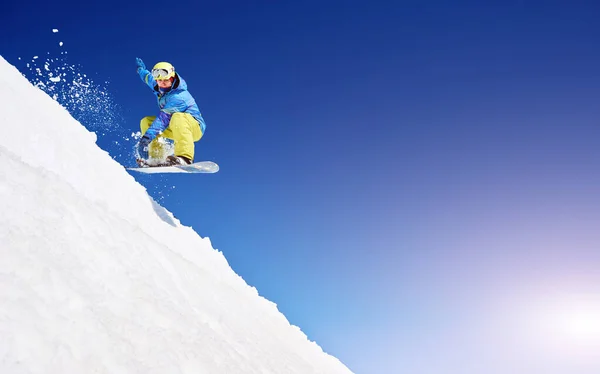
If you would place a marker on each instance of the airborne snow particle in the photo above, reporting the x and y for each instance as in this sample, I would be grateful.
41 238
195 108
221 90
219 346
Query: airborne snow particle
55 30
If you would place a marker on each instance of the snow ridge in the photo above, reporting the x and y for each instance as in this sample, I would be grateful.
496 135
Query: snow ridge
97 277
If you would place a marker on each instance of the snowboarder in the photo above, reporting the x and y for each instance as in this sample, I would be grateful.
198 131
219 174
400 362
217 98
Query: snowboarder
179 118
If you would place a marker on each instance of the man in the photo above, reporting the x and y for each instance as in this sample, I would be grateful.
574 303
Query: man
179 118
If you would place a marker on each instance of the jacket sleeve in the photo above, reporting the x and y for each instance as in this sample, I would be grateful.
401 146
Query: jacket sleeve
147 78
158 125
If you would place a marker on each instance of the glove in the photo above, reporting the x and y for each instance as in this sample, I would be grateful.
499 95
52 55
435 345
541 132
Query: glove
142 147
140 64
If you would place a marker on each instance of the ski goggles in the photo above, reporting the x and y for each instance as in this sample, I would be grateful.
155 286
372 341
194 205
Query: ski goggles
161 74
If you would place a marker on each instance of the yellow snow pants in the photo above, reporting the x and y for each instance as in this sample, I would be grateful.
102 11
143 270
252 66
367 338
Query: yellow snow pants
183 129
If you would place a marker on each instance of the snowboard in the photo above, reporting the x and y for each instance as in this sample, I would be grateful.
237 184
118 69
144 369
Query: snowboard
196 167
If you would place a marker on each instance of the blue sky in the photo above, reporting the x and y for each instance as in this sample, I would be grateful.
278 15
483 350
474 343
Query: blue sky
382 163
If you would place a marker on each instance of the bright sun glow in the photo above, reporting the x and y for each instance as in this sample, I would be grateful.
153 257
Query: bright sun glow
571 322
582 322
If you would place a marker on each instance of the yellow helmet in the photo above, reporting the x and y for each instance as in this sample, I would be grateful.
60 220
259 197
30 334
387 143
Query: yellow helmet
163 70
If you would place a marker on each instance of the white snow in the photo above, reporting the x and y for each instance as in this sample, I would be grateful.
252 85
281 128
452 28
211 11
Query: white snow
97 277
60 44
55 30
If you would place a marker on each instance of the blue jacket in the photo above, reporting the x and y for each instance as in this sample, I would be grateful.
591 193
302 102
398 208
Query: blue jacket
176 100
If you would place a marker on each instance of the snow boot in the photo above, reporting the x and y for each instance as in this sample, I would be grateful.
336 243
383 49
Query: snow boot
177 160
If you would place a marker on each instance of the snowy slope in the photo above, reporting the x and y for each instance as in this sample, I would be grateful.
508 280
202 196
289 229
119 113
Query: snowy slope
97 277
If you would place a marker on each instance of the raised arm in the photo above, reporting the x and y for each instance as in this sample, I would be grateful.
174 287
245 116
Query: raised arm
144 74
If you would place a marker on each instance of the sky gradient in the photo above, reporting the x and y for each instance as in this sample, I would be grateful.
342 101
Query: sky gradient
389 171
